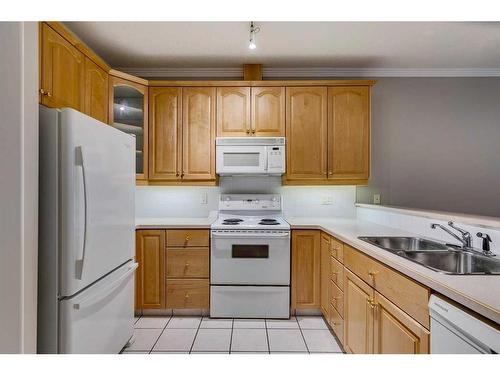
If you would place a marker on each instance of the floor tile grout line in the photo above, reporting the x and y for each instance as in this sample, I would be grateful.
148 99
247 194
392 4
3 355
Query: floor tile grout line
303 338
195 336
231 339
267 337
163 330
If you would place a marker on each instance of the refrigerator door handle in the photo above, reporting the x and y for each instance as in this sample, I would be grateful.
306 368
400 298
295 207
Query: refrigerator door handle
79 262
105 291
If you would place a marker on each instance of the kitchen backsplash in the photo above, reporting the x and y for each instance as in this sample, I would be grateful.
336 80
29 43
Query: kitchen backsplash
298 201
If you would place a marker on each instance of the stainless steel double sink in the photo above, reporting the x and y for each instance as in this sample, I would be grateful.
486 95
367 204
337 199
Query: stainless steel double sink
438 256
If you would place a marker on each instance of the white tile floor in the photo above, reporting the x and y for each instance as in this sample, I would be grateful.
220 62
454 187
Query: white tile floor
196 335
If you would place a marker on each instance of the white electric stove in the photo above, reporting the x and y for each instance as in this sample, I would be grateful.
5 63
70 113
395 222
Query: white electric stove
250 258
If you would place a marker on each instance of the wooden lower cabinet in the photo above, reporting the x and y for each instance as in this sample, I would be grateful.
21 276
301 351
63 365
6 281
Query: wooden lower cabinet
188 294
191 262
337 323
325 274
305 269
358 315
395 332
150 275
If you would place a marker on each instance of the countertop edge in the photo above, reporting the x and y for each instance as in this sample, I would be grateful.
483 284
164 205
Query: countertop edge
374 252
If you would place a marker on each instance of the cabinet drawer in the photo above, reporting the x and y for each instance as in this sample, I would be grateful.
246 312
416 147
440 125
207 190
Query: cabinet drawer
337 249
187 262
187 294
337 298
187 237
337 272
406 293
337 323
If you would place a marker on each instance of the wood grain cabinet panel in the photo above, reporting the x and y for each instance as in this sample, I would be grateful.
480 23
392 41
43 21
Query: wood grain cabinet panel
305 269
337 298
150 275
188 262
187 294
349 133
337 272
96 91
198 133
395 332
233 111
188 237
325 274
268 111
165 133
406 293
62 82
358 315
306 129
337 324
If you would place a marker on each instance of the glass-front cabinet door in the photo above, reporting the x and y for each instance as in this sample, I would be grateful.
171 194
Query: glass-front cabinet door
128 113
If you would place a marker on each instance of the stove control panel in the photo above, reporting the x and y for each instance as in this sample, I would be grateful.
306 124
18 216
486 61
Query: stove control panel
238 202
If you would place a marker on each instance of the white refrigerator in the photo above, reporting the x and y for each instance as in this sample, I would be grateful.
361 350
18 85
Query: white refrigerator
86 234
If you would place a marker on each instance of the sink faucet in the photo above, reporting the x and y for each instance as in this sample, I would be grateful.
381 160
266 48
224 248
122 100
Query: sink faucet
465 239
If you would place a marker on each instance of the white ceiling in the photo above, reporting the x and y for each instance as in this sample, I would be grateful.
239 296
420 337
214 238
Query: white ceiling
347 45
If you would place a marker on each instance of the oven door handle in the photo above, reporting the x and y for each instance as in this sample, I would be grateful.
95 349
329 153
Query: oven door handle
250 235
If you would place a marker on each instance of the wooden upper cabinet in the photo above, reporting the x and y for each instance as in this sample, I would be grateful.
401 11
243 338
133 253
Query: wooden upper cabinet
165 133
62 82
150 276
305 269
198 133
395 332
96 91
306 130
349 133
233 111
268 111
325 274
128 112
358 314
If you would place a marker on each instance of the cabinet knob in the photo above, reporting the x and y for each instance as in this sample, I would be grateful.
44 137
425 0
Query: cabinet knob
330 173
186 265
43 92
248 131
253 131
177 174
186 296
188 238
372 274
372 303
182 174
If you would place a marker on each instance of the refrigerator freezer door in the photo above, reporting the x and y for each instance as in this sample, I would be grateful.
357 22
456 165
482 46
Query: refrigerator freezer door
97 187
100 318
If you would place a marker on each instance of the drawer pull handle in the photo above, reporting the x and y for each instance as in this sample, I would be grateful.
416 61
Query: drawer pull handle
186 296
186 265
372 303
188 238
372 274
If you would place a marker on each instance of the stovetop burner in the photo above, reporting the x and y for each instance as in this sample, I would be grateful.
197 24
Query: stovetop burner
232 221
268 220
268 223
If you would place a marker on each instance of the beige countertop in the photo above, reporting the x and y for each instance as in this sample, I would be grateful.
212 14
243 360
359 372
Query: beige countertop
173 222
479 293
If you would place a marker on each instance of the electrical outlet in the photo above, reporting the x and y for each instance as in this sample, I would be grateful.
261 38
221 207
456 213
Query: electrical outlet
327 199
204 198
376 198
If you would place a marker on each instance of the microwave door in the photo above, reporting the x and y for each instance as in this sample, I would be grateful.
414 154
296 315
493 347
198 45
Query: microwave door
241 160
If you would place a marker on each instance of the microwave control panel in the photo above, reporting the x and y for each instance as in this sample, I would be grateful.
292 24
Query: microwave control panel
276 159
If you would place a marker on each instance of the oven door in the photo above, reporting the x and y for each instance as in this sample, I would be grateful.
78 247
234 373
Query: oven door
250 259
241 160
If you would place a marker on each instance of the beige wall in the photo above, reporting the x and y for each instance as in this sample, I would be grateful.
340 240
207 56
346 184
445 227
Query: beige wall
18 186
436 144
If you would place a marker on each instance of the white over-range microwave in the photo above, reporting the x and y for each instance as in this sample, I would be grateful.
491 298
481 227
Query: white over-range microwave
250 156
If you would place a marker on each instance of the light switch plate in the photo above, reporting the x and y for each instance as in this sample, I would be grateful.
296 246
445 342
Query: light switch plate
327 199
376 198
204 198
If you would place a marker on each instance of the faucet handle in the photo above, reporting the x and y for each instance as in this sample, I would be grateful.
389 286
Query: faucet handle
486 242
462 231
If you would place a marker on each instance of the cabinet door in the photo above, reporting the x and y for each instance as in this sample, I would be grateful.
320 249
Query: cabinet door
198 133
62 72
96 91
150 276
165 133
349 133
128 112
305 269
268 111
358 314
395 332
233 111
325 274
306 131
